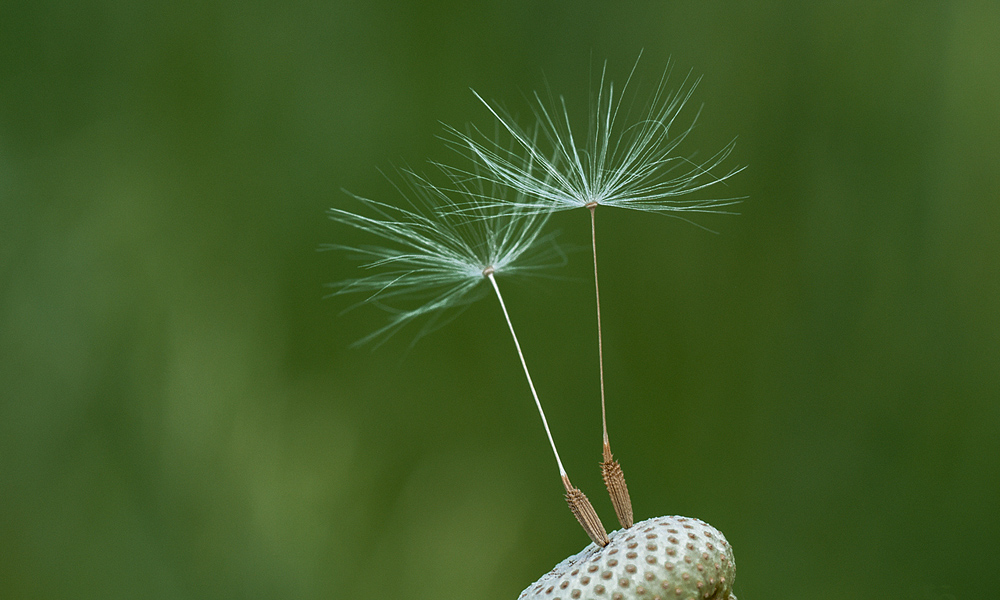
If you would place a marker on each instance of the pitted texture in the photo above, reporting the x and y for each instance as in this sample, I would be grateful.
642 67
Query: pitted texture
665 558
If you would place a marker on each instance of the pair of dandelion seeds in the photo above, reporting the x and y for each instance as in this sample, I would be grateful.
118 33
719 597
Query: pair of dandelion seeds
450 242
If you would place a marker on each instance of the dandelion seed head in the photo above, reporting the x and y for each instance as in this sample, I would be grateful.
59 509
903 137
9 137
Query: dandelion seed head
437 246
627 158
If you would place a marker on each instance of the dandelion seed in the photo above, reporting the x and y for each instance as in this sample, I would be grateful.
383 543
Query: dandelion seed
619 163
436 259
444 250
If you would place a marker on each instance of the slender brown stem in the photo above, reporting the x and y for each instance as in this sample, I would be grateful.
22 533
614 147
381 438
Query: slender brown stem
600 337
614 478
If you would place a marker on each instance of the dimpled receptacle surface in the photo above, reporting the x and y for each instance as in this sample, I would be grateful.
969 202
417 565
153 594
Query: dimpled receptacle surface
665 558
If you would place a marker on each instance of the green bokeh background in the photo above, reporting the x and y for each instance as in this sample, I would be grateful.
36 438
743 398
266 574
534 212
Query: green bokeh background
182 416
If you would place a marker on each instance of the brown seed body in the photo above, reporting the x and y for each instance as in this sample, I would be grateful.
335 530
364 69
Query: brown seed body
614 480
585 513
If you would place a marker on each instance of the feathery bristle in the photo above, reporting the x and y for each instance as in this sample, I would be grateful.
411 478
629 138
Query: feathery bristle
625 160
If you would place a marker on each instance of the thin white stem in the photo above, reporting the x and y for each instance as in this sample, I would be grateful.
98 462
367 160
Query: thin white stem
600 341
545 423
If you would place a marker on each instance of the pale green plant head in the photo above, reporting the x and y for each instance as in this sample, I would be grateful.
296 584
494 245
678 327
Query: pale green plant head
627 158
439 244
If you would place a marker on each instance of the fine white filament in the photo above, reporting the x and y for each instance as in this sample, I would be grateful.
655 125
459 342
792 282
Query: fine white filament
531 384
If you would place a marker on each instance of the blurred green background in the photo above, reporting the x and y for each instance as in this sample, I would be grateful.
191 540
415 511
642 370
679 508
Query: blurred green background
182 416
